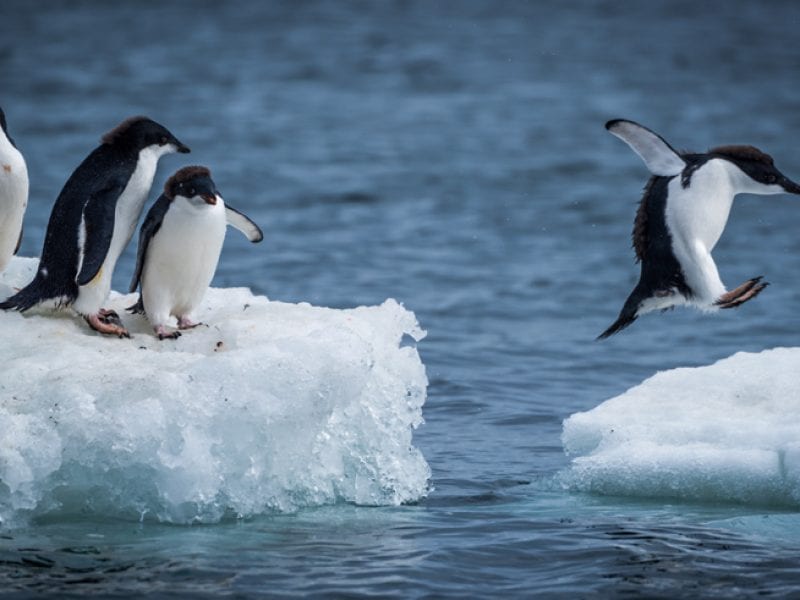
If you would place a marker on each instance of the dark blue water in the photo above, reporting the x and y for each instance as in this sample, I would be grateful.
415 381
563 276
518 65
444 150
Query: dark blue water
451 155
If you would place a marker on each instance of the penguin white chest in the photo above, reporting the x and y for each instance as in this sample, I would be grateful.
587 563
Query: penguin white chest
13 198
699 213
182 258
131 202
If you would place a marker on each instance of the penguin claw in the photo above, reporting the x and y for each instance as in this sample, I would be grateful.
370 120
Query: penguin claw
163 334
184 323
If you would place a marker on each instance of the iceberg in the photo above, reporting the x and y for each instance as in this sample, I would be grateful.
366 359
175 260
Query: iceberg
724 433
269 407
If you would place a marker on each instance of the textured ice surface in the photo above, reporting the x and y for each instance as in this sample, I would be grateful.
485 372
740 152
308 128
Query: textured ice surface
273 406
729 432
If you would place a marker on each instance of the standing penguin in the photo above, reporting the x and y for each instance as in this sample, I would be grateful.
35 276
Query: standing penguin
179 246
93 220
681 217
13 194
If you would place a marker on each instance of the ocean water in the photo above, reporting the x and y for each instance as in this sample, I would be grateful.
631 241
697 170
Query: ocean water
452 156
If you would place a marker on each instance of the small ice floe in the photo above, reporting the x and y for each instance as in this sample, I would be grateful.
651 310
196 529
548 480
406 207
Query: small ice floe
728 432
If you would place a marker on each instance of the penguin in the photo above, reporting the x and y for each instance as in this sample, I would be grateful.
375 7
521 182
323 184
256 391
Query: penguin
13 194
92 221
682 215
179 247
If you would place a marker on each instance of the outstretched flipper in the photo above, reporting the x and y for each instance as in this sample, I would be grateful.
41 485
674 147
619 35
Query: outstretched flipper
747 291
659 157
243 223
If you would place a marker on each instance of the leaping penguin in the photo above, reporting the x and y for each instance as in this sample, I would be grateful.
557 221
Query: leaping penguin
681 217
13 194
93 220
179 246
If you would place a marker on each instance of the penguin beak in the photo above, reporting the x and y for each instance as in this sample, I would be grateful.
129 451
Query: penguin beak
182 148
210 198
789 185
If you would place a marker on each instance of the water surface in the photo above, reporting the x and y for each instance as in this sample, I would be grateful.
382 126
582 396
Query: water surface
451 156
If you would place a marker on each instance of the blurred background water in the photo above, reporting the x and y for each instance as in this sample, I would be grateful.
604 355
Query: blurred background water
450 155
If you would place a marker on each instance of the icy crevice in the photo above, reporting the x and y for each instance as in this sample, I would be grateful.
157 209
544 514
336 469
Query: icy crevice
272 407
727 432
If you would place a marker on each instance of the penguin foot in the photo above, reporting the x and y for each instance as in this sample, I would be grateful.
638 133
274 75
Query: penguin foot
747 291
107 324
110 317
186 323
163 334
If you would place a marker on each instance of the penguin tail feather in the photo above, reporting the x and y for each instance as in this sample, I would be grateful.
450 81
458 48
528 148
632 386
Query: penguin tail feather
627 315
35 292
621 323
138 308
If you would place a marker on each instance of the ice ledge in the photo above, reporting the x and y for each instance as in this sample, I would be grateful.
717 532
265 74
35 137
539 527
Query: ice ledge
272 406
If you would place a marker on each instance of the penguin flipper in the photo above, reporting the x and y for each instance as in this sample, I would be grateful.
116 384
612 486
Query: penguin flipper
152 223
98 228
659 157
19 240
244 224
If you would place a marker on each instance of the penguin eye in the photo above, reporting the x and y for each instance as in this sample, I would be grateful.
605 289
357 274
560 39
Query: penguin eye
163 140
771 178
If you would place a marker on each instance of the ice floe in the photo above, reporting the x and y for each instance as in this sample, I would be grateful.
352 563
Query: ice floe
728 432
270 407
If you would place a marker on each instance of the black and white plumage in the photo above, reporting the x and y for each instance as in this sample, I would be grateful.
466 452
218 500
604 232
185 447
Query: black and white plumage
681 217
93 220
13 194
179 246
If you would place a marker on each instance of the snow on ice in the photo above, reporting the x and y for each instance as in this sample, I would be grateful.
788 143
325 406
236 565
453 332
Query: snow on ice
728 432
271 407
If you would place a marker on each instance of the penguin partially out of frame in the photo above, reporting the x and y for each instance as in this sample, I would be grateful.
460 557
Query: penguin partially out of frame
13 194
93 220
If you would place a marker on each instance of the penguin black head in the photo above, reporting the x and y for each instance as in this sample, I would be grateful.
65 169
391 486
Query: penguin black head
192 182
759 168
137 133
5 127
